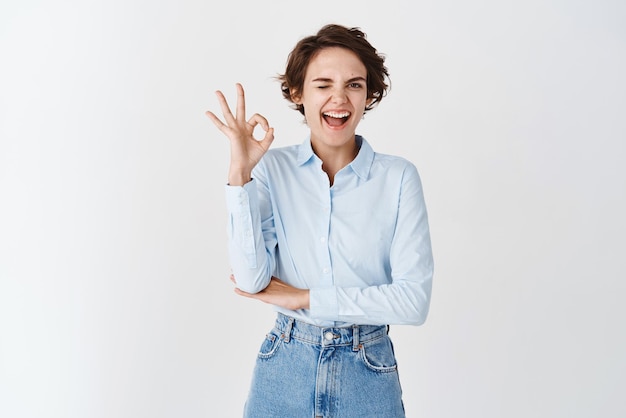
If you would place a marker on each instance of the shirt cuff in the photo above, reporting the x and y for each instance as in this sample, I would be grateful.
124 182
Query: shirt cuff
323 303
242 203
241 198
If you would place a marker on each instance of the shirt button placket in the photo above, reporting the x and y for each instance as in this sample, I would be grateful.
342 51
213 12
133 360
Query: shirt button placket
324 240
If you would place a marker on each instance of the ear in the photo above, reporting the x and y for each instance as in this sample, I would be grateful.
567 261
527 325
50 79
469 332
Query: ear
296 97
369 101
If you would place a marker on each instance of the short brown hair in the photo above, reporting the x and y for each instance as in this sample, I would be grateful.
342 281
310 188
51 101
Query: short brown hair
352 39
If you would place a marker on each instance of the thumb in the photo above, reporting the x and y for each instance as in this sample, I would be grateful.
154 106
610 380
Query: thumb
268 138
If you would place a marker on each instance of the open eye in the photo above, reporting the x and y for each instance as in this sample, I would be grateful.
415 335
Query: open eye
355 85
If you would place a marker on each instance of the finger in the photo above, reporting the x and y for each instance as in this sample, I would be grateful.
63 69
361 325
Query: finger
232 278
228 115
244 294
257 119
241 103
267 139
257 296
216 121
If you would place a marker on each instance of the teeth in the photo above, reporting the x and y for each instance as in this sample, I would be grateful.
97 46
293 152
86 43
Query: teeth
337 114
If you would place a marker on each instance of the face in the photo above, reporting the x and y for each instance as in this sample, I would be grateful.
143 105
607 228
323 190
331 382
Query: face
334 96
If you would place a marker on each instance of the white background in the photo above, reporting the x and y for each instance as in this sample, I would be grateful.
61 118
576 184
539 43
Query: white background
114 291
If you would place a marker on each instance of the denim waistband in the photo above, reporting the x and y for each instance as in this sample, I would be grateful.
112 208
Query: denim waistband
353 335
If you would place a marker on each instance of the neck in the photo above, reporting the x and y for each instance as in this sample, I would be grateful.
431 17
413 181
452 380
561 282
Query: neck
335 158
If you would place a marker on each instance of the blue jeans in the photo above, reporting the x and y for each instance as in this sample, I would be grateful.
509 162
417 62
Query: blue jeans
306 371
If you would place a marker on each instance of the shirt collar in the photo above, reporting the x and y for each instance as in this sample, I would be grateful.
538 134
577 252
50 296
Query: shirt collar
361 165
305 151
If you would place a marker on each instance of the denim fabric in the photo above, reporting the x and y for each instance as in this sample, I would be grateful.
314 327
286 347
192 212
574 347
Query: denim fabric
306 371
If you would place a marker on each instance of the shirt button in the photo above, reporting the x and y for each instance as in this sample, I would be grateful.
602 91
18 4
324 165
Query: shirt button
329 336
326 271
322 240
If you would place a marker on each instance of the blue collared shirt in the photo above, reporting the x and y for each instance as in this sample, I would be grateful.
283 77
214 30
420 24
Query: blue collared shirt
362 246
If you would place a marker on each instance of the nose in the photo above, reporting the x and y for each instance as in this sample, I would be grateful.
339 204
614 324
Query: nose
339 95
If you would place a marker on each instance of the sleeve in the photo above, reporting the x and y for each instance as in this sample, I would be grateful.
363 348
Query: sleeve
251 234
406 300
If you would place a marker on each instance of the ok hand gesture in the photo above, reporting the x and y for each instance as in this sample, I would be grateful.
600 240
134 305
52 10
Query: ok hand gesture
245 150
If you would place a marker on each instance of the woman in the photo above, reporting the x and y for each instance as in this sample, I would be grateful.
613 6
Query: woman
332 234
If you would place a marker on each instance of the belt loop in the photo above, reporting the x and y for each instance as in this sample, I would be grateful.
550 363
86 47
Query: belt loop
355 338
288 329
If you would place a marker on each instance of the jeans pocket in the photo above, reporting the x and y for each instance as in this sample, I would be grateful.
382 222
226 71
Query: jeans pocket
378 355
270 345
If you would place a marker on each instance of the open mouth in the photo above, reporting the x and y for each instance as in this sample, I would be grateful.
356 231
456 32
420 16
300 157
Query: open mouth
336 118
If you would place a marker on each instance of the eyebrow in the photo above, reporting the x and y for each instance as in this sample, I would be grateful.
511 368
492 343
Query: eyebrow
328 80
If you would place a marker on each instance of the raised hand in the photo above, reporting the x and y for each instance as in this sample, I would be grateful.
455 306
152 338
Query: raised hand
245 150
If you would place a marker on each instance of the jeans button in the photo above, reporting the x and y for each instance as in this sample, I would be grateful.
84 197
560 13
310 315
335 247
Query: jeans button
329 336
